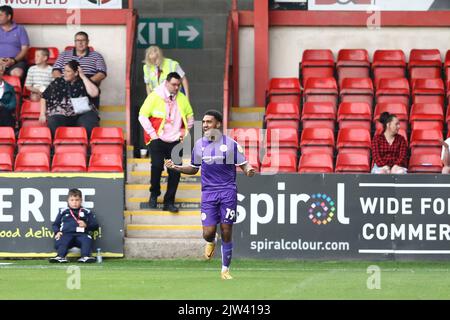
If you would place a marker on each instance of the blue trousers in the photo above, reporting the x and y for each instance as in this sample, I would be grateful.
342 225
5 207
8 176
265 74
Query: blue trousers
69 240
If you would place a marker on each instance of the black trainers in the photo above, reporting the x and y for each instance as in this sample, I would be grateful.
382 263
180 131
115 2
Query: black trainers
58 260
170 207
152 202
86 260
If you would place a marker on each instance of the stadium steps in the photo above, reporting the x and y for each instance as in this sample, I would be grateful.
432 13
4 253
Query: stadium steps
144 248
247 114
112 116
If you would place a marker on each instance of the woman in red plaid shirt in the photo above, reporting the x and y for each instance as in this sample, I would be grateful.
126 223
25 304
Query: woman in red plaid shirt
389 149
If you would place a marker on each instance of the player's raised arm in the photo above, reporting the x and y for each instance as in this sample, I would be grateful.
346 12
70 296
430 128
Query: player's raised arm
183 169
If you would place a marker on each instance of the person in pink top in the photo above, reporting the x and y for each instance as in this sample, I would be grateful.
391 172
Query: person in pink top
166 117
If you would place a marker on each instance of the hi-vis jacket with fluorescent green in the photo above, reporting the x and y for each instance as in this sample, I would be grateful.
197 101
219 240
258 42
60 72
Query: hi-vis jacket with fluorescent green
151 72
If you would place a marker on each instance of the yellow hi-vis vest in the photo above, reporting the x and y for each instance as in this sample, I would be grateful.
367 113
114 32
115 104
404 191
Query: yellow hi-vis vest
151 72
154 108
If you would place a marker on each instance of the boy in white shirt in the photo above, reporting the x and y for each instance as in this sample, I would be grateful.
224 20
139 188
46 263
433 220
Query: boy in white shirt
40 75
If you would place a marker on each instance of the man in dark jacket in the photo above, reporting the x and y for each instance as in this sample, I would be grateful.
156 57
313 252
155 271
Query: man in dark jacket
7 102
71 229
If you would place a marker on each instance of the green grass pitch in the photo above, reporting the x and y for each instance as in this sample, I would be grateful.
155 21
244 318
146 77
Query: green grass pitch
196 279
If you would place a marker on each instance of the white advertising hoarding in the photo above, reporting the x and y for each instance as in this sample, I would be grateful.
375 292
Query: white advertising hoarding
378 5
63 4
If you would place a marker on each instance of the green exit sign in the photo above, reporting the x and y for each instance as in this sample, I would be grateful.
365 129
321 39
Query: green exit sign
170 33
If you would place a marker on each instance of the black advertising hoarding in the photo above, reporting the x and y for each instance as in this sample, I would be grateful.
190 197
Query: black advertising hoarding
332 216
29 203
378 5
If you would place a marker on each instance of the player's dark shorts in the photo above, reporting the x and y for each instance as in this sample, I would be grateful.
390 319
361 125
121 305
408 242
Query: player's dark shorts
218 207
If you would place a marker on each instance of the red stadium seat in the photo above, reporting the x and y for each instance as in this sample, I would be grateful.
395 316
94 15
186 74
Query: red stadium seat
9 150
6 163
317 140
69 162
426 116
352 63
316 63
319 115
354 140
7 136
393 91
424 64
105 162
32 161
106 140
352 163
279 162
53 55
321 90
425 163
280 124
34 139
354 115
14 82
388 64
316 163
30 110
284 86
246 137
70 139
253 158
428 91
357 90
282 138
426 141
399 109
32 123
278 111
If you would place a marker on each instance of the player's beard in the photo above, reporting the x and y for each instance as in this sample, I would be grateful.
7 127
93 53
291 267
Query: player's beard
213 134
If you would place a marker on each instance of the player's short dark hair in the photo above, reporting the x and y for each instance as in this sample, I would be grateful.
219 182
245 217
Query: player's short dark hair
8 10
216 114
173 75
75 193
82 33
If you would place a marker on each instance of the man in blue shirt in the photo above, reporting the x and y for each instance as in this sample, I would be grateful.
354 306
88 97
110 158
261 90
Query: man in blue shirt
218 155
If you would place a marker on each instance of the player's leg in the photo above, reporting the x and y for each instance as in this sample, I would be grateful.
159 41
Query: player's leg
210 218
228 206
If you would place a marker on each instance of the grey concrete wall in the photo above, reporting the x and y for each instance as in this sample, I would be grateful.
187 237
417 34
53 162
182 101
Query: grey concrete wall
204 67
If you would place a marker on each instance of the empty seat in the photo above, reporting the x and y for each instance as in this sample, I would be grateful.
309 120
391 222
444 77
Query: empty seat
317 140
30 110
447 65
426 141
32 161
277 111
316 163
246 137
428 91
426 115
352 163
280 124
253 158
279 162
425 163
319 115
357 90
393 91
282 138
6 162
70 139
424 63
34 139
388 64
354 140
105 162
7 136
352 63
316 63
284 90
53 55
106 140
69 162
354 115
8 150
321 90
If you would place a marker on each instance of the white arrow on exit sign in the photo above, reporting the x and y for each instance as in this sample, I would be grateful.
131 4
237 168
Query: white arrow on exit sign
192 33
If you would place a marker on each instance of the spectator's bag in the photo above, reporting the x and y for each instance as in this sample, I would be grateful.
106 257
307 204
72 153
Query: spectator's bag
81 105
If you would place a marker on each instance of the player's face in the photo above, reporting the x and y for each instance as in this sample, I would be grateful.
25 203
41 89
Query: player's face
210 125
74 202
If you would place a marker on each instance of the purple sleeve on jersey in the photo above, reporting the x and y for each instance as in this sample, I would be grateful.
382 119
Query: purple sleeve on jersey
239 154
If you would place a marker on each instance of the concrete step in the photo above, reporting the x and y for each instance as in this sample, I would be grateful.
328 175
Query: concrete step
143 177
112 113
247 114
145 187
143 164
142 203
164 231
164 248
133 196
159 217
245 124
113 123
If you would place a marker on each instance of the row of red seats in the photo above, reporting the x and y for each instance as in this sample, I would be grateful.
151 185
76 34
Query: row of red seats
355 63
68 140
424 144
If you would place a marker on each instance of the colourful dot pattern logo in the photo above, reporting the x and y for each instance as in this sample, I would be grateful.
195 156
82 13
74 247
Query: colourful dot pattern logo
322 209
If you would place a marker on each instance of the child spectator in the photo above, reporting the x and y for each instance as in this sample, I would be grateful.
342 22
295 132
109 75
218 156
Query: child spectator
40 75
71 227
